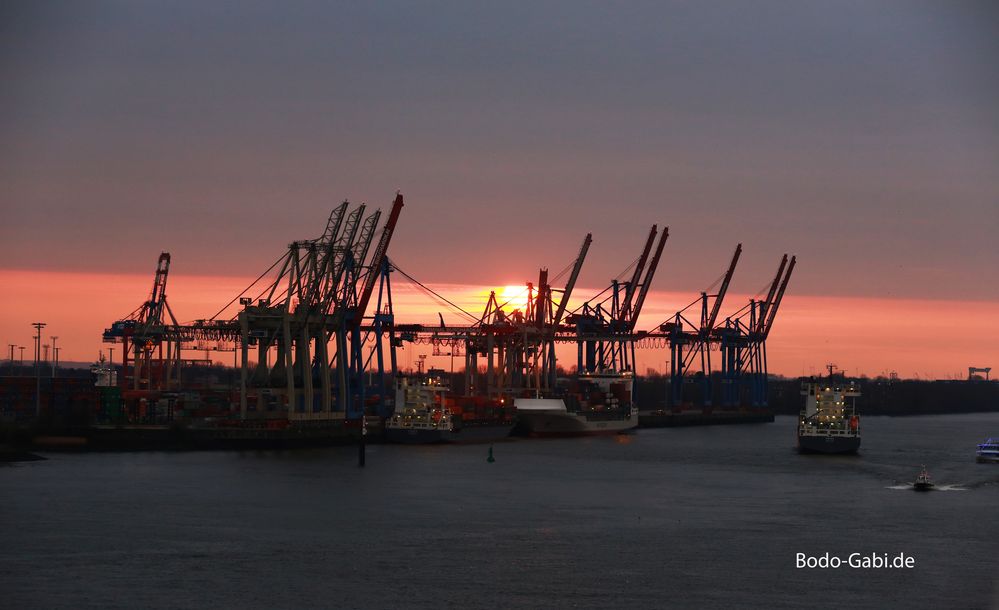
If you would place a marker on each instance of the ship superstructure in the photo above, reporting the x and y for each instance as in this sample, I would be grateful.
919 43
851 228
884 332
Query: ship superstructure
426 412
420 414
829 422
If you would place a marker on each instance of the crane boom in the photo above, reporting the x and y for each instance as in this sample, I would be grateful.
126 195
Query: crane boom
152 310
723 289
649 274
363 243
359 252
772 313
326 255
564 301
765 306
341 250
378 258
629 292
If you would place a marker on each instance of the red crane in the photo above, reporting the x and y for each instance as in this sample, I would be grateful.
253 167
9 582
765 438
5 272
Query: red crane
378 259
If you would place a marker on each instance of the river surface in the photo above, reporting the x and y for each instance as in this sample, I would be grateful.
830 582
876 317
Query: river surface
708 517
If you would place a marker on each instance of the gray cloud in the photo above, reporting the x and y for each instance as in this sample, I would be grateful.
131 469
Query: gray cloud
862 136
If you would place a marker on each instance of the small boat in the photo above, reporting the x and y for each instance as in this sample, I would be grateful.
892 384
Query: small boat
988 451
923 482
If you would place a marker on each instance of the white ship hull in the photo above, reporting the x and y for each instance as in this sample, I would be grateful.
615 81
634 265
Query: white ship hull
550 418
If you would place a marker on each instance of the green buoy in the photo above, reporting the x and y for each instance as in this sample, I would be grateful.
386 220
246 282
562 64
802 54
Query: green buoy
490 459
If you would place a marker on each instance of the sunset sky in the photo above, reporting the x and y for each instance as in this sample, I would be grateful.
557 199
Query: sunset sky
861 136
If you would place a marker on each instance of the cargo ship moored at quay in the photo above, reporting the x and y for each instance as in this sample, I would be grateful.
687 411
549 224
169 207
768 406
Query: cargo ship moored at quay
590 404
427 412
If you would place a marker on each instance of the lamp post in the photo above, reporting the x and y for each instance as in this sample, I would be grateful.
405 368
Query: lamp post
55 355
11 346
21 347
38 375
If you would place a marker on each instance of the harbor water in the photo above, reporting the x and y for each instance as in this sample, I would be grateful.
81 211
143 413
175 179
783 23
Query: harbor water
704 516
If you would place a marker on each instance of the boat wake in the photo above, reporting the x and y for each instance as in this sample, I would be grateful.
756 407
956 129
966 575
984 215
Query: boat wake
969 485
983 483
909 486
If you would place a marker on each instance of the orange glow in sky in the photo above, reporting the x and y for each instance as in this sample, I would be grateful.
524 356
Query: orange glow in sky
514 297
924 338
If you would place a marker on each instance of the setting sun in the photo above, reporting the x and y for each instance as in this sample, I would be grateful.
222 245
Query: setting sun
513 297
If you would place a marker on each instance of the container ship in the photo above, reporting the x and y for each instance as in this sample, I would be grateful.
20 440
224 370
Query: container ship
596 403
829 421
427 412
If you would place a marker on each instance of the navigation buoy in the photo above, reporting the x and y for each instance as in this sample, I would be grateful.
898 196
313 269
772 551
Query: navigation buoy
490 459
360 445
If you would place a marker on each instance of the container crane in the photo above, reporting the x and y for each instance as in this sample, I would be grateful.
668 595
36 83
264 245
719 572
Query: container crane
743 344
605 328
690 343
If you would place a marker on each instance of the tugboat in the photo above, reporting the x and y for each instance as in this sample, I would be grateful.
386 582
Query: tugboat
988 451
828 424
591 404
923 482
425 412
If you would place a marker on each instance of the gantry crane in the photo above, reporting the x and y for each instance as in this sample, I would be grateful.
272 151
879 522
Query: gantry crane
327 284
150 351
690 343
605 324
519 347
318 299
741 342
